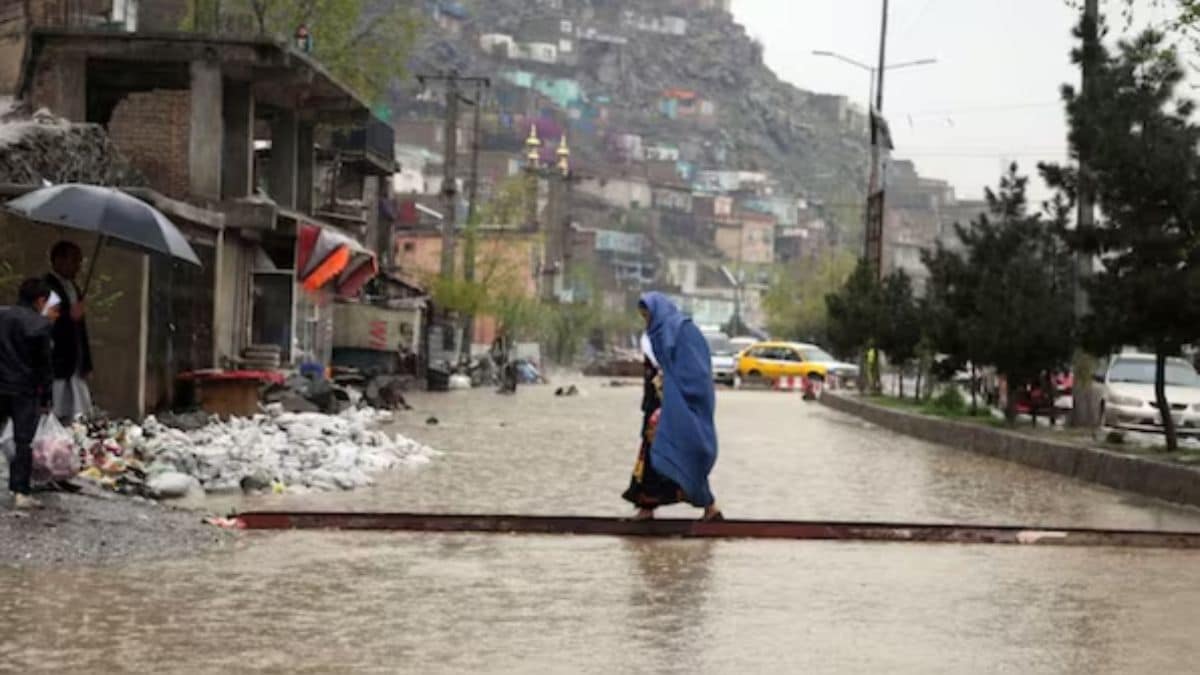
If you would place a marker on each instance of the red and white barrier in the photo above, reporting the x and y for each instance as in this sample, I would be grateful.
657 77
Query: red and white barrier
790 383
811 387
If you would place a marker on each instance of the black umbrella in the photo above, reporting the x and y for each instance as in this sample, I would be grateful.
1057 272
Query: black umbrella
111 214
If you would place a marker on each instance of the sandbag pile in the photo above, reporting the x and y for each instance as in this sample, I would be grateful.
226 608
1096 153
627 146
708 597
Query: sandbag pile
277 450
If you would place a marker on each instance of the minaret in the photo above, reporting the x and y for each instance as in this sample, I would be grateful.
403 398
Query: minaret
533 146
564 156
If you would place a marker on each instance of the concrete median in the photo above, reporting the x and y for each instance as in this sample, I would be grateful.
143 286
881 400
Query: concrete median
1140 475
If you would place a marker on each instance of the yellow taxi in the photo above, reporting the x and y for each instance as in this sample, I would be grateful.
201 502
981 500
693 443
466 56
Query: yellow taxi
773 360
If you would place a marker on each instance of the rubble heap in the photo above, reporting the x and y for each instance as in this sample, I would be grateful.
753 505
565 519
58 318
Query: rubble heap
39 146
277 450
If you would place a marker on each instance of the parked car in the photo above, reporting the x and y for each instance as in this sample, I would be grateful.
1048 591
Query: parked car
724 356
741 344
773 360
1127 398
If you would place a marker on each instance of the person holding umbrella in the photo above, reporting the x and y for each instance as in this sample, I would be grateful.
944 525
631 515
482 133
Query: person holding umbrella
72 350
25 378
111 216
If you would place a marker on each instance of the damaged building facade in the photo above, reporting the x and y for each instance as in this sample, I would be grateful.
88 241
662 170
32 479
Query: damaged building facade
267 164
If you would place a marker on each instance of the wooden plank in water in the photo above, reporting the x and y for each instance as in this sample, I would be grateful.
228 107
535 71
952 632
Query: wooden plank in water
726 529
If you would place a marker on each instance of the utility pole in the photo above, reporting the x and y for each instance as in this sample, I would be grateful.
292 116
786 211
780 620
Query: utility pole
875 198
450 179
472 205
449 164
1085 409
1087 197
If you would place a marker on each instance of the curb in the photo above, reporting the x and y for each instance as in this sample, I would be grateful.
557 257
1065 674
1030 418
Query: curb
1139 475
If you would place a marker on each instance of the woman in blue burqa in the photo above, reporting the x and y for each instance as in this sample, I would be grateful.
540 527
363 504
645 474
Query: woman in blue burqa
679 441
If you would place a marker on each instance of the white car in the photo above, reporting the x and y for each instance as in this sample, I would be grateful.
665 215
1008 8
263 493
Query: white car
741 344
1127 394
724 357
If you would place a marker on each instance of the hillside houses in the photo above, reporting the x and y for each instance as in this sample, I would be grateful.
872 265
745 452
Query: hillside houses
650 193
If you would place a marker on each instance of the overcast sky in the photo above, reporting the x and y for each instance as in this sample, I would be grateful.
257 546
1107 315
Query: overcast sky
991 98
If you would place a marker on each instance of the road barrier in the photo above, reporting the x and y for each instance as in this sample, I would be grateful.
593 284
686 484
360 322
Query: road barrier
723 529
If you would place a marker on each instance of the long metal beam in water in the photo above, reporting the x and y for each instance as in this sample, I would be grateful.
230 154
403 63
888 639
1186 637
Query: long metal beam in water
726 529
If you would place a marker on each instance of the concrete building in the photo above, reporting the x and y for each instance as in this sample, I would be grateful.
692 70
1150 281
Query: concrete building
747 238
189 110
506 259
626 192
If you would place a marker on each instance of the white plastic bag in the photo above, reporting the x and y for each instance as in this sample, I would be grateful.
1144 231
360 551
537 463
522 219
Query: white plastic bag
54 453
8 445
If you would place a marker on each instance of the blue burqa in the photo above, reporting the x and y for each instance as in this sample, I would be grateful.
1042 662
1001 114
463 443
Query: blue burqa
685 444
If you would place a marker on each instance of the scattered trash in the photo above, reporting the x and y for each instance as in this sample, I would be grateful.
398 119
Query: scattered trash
386 392
172 485
567 391
54 453
432 421
311 393
527 373
458 382
226 523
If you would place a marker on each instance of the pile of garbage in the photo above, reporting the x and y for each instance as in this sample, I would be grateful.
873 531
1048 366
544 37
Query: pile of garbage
278 450
350 388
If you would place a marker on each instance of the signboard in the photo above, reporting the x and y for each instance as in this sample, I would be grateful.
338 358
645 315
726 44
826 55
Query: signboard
875 233
375 328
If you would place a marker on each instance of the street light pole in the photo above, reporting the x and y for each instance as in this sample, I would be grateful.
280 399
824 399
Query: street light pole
873 237
873 228
882 57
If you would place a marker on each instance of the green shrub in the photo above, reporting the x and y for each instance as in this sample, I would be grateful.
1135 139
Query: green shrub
949 401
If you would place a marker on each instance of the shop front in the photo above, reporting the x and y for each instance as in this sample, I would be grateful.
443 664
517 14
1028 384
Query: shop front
296 281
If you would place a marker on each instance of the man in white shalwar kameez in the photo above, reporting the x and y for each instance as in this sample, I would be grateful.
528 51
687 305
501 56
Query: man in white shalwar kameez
72 358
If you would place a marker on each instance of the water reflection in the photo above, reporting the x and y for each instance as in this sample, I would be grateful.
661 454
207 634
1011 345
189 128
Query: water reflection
441 603
669 592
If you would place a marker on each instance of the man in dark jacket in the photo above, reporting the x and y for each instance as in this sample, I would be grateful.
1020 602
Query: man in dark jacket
25 378
72 351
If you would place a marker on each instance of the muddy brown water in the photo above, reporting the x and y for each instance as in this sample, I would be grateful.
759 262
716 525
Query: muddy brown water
402 602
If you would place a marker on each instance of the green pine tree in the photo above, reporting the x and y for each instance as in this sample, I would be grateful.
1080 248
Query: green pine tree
1144 167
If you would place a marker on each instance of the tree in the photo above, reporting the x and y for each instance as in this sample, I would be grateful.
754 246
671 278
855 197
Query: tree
1006 300
1023 300
899 322
1142 155
364 43
854 316
795 301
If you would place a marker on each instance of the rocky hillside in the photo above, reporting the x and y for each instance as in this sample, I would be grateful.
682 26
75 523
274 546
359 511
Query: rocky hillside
811 143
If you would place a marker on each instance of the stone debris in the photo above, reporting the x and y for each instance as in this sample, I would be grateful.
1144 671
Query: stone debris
276 451
38 146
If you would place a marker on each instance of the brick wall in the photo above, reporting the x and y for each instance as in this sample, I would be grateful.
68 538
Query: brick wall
151 129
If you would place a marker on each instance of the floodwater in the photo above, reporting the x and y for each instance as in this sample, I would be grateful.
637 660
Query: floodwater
403 602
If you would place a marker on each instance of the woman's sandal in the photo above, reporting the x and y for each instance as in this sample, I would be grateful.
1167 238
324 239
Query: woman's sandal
713 518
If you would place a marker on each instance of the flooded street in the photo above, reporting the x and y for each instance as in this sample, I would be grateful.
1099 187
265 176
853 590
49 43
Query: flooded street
319 602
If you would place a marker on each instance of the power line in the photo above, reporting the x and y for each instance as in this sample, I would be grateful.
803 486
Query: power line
979 108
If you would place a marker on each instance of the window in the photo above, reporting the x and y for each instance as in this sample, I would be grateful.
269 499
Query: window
718 344
815 354
1141 371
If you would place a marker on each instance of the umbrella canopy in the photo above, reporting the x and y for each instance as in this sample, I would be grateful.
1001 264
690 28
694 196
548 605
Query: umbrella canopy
109 213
